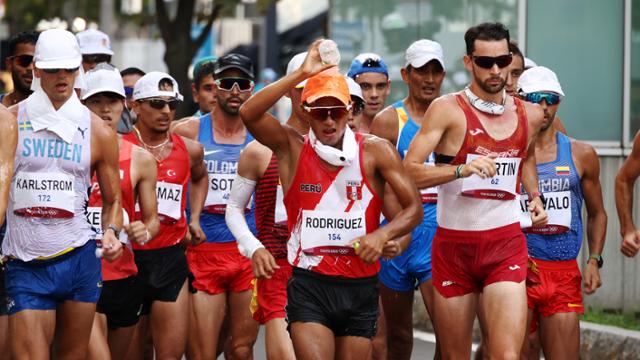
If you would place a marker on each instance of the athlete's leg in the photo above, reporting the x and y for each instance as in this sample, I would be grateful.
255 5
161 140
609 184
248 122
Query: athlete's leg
504 306
312 341
526 344
398 311
138 343
277 340
352 348
244 329
427 291
379 343
98 342
4 334
207 314
169 326
73 328
119 341
32 333
560 335
454 321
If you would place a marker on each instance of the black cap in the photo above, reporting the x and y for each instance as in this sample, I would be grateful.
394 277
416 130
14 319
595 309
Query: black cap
234 61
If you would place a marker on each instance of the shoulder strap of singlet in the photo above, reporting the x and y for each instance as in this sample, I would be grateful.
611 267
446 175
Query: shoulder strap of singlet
471 117
564 146
403 115
125 150
178 142
204 130
523 124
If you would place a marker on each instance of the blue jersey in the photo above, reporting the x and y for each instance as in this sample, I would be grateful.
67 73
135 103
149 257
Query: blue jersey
221 161
559 181
407 129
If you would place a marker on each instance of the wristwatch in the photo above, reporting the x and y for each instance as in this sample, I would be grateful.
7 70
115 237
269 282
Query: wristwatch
116 231
598 258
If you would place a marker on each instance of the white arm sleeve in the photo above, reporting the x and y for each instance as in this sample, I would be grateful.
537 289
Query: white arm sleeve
241 192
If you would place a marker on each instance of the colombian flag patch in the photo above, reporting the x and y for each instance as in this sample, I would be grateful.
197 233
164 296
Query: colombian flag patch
562 171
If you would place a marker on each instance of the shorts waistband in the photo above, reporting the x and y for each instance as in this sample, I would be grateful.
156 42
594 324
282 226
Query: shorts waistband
555 265
334 280
224 247
161 251
502 232
60 256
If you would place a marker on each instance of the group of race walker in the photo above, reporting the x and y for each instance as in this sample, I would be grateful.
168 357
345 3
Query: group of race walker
179 238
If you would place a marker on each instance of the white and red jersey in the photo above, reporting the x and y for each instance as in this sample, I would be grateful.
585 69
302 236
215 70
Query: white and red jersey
125 265
174 173
474 203
326 209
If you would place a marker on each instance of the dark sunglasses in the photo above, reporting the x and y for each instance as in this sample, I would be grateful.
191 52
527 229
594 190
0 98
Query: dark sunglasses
96 58
55 71
23 60
486 62
128 91
538 96
322 112
160 104
227 84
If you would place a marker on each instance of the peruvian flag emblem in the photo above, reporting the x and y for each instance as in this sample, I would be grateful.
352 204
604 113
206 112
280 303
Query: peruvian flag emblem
354 190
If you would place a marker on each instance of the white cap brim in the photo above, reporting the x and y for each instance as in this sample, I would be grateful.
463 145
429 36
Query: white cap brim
158 93
423 60
527 89
59 64
90 50
92 92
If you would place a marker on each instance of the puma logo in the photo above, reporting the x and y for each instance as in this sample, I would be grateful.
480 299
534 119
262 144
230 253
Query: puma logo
82 131
475 132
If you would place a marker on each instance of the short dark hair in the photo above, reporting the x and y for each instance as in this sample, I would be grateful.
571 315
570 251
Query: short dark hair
165 82
515 51
132 71
485 31
203 71
25 37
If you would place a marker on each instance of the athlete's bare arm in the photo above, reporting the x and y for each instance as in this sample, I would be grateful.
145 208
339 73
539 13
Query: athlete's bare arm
283 140
188 127
529 178
104 161
385 125
145 172
587 159
625 180
383 166
9 134
198 188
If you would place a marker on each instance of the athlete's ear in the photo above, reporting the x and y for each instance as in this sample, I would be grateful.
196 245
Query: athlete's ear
404 72
466 60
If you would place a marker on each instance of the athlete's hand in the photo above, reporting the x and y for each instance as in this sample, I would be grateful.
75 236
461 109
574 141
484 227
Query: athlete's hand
370 246
312 64
197 235
391 249
137 232
538 215
591 277
630 243
483 166
111 247
263 263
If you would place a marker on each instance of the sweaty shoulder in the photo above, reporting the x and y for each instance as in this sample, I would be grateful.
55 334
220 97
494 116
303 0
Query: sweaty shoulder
187 127
583 152
535 114
381 148
195 149
142 156
255 151
100 128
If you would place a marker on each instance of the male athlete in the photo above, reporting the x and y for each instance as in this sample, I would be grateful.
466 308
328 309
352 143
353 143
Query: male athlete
222 276
371 73
162 264
333 182
484 145
568 173
20 64
60 144
423 74
119 305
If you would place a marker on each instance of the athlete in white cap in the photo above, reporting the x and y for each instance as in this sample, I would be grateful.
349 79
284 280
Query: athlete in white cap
162 264
95 47
60 144
119 306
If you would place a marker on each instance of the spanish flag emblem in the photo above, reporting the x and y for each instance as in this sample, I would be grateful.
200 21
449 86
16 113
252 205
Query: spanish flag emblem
562 171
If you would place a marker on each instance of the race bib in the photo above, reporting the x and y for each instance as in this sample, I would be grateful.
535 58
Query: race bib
280 215
500 187
94 216
329 232
219 192
43 195
558 208
169 201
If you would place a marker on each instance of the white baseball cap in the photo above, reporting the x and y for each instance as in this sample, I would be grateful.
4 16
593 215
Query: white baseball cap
354 88
103 78
94 42
57 49
148 86
539 78
528 63
422 51
294 64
